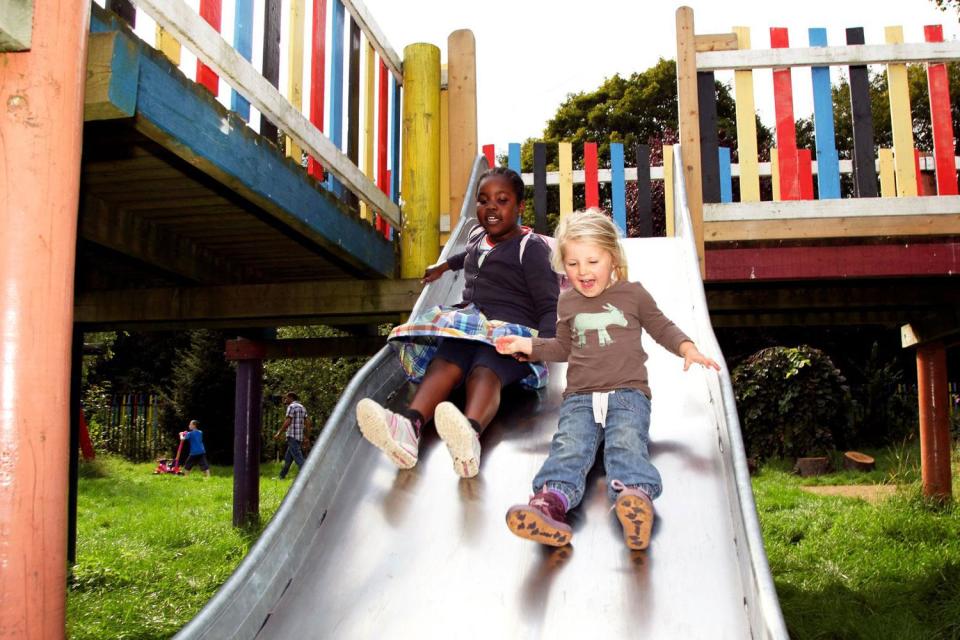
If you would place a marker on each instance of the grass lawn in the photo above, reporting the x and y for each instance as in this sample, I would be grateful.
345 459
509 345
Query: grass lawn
152 550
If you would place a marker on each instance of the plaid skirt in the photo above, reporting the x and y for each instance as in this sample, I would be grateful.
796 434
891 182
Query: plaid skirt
416 342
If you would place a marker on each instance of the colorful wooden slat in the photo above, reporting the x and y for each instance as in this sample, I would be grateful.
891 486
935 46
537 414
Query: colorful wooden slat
618 186
382 174
726 177
565 152
916 169
445 204
337 24
864 168
644 200
746 126
668 201
210 11
901 123
775 173
168 45
513 156
786 125
888 181
938 84
243 43
355 32
395 143
540 187
828 161
369 93
805 173
271 59
709 142
297 11
490 155
318 75
591 183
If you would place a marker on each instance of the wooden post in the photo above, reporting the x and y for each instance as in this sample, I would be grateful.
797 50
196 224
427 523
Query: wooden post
368 135
644 204
353 101
462 115
746 126
540 186
41 91
864 169
689 121
420 236
934 420
246 441
565 151
901 124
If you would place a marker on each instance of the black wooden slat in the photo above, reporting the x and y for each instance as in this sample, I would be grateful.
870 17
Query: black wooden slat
540 187
864 169
709 144
271 59
353 103
125 10
644 204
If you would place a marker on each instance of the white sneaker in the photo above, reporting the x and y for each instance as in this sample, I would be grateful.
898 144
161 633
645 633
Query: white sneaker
390 432
461 439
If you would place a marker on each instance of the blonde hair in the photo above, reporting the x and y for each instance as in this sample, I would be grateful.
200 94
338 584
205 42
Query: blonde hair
591 227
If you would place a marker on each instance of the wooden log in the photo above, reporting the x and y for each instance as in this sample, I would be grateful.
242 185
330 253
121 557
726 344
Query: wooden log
814 466
856 461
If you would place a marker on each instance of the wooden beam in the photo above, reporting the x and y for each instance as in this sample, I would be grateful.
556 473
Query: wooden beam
716 42
931 327
292 348
16 25
375 37
689 123
744 59
113 68
326 302
847 208
814 228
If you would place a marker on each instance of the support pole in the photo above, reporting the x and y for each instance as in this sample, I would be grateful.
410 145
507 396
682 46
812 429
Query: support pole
246 442
689 120
41 100
420 187
462 110
934 399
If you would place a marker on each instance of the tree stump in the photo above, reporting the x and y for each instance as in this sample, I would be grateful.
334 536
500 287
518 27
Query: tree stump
856 461
811 466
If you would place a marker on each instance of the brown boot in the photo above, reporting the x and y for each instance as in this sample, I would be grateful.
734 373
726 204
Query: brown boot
635 512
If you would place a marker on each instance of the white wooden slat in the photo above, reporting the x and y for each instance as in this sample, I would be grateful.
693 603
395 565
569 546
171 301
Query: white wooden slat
846 208
194 33
743 59
375 37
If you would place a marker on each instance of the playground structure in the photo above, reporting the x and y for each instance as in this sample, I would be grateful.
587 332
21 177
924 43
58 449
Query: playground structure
172 206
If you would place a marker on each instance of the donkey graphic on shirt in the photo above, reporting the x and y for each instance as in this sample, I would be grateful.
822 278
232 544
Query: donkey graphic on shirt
583 322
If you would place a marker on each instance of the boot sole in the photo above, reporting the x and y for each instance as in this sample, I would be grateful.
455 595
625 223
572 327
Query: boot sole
636 517
373 426
531 524
457 433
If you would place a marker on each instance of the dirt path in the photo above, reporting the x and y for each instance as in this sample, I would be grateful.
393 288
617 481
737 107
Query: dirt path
872 493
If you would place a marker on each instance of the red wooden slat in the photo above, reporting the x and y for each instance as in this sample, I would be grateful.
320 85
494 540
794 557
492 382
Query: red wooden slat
488 152
590 179
805 173
318 64
382 94
939 87
786 132
792 263
209 11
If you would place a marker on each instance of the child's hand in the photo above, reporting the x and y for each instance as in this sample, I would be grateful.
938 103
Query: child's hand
691 355
508 345
433 272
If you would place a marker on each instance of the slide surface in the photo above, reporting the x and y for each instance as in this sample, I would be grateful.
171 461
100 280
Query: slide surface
360 549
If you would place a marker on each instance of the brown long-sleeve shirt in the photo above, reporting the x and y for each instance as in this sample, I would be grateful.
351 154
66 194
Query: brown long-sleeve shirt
600 338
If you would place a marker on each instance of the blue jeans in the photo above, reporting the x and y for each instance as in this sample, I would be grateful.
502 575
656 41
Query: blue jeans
625 452
294 453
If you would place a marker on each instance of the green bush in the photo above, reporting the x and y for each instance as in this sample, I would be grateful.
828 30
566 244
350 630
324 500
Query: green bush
792 402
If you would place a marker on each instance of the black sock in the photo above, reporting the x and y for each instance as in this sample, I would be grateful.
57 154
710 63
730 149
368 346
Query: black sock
415 418
476 426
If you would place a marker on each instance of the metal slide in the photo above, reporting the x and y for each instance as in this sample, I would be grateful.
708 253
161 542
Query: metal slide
359 549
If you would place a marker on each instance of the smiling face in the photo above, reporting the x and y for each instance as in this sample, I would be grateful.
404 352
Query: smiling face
589 267
497 208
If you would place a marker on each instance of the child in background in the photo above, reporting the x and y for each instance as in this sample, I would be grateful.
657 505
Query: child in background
607 398
198 454
509 288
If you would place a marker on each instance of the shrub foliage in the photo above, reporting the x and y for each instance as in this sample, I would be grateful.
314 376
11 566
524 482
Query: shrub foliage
792 402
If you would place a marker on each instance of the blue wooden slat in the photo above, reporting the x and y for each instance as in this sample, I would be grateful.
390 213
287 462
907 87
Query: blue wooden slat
828 162
395 141
243 43
513 156
726 179
617 186
336 87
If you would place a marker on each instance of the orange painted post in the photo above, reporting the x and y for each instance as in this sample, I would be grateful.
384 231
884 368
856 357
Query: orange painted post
210 11
488 152
941 124
318 69
41 93
786 127
934 420
591 183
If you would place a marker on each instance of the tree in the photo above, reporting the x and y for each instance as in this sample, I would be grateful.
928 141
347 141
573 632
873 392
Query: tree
945 5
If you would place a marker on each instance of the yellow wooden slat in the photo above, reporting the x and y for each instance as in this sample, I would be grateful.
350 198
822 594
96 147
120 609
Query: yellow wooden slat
775 173
368 134
566 178
746 127
901 123
295 68
668 189
888 184
168 45
445 162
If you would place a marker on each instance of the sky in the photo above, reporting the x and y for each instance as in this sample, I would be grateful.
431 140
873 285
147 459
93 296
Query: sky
532 53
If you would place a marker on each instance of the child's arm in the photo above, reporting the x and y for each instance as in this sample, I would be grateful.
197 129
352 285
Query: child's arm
434 271
508 345
691 355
